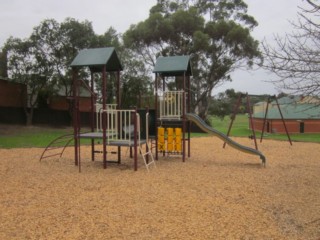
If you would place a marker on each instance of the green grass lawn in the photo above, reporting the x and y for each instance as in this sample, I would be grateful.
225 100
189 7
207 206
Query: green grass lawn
15 136
240 128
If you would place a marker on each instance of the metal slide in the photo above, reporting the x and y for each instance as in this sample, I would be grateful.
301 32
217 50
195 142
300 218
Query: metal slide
197 120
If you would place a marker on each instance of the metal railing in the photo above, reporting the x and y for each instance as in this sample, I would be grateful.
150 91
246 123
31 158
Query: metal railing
120 125
171 105
99 111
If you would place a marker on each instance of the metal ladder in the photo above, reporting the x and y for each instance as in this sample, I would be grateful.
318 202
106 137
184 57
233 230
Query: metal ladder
145 155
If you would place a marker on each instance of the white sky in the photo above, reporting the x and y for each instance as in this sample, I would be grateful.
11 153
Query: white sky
18 17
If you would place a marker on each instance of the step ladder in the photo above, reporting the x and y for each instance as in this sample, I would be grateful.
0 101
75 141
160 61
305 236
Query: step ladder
145 156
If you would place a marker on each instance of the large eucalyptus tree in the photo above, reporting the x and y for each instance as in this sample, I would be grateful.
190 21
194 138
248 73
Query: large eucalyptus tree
216 33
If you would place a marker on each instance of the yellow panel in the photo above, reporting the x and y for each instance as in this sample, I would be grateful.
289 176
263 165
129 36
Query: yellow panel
161 144
178 147
178 131
161 131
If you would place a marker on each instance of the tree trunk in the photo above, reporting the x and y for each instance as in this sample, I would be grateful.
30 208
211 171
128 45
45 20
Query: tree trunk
203 109
29 116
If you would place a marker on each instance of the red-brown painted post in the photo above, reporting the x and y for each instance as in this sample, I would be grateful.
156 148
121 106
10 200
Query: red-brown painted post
284 123
189 123
234 114
104 130
265 119
251 121
93 101
156 113
75 114
118 100
184 119
135 142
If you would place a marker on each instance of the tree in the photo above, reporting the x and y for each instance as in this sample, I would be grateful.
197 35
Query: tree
136 88
42 61
225 103
295 57
218 45
3 64
24 67
57 44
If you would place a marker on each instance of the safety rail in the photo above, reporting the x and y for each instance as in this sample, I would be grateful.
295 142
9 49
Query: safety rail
120 125
171 105
99 111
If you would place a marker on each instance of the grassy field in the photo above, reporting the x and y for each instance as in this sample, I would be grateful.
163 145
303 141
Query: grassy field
240 128
15 136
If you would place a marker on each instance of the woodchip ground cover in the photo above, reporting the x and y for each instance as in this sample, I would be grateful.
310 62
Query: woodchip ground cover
216 194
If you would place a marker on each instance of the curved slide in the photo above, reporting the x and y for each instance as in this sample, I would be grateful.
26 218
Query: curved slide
197 120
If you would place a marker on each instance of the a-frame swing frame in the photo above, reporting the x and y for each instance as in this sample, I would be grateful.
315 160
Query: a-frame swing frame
236 109
281 115
234 114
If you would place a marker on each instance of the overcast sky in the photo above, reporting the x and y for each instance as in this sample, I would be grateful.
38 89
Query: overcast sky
18 17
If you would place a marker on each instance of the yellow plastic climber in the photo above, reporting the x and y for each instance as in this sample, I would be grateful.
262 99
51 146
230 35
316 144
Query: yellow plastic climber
170 140
161 143
178 139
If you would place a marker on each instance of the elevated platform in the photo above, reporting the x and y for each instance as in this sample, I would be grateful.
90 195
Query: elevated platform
119 143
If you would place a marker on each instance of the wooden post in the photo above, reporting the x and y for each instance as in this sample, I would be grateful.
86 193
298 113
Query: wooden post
156 113
92 113
75 114
184 119
104 130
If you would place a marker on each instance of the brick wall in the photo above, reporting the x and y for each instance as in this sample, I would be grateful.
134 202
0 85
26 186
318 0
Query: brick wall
293 126
61 103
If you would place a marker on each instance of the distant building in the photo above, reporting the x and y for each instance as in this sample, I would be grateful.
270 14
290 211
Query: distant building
300 114
11 93
59 101
13 99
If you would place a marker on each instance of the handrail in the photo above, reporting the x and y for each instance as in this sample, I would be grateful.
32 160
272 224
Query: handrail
171 105
99 111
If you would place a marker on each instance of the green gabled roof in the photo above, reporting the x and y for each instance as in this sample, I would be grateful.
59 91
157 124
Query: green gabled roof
292 111
173 66
96 58
287 100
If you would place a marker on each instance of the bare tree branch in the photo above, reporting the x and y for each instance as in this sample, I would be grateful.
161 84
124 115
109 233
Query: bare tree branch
295 58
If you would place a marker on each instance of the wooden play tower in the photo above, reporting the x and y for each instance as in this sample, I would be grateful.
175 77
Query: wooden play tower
172 104
108 121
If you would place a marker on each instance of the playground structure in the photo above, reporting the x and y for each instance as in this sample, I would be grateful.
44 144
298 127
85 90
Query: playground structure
282 119
253 136
122 127
108 122
173 140
173 108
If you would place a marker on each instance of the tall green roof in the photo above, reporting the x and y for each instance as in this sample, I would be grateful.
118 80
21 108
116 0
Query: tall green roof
96 58
173 66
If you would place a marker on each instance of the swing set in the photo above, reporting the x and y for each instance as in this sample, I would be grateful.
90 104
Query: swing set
253 136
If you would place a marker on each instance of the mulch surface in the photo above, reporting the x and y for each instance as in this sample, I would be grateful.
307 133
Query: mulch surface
216 194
